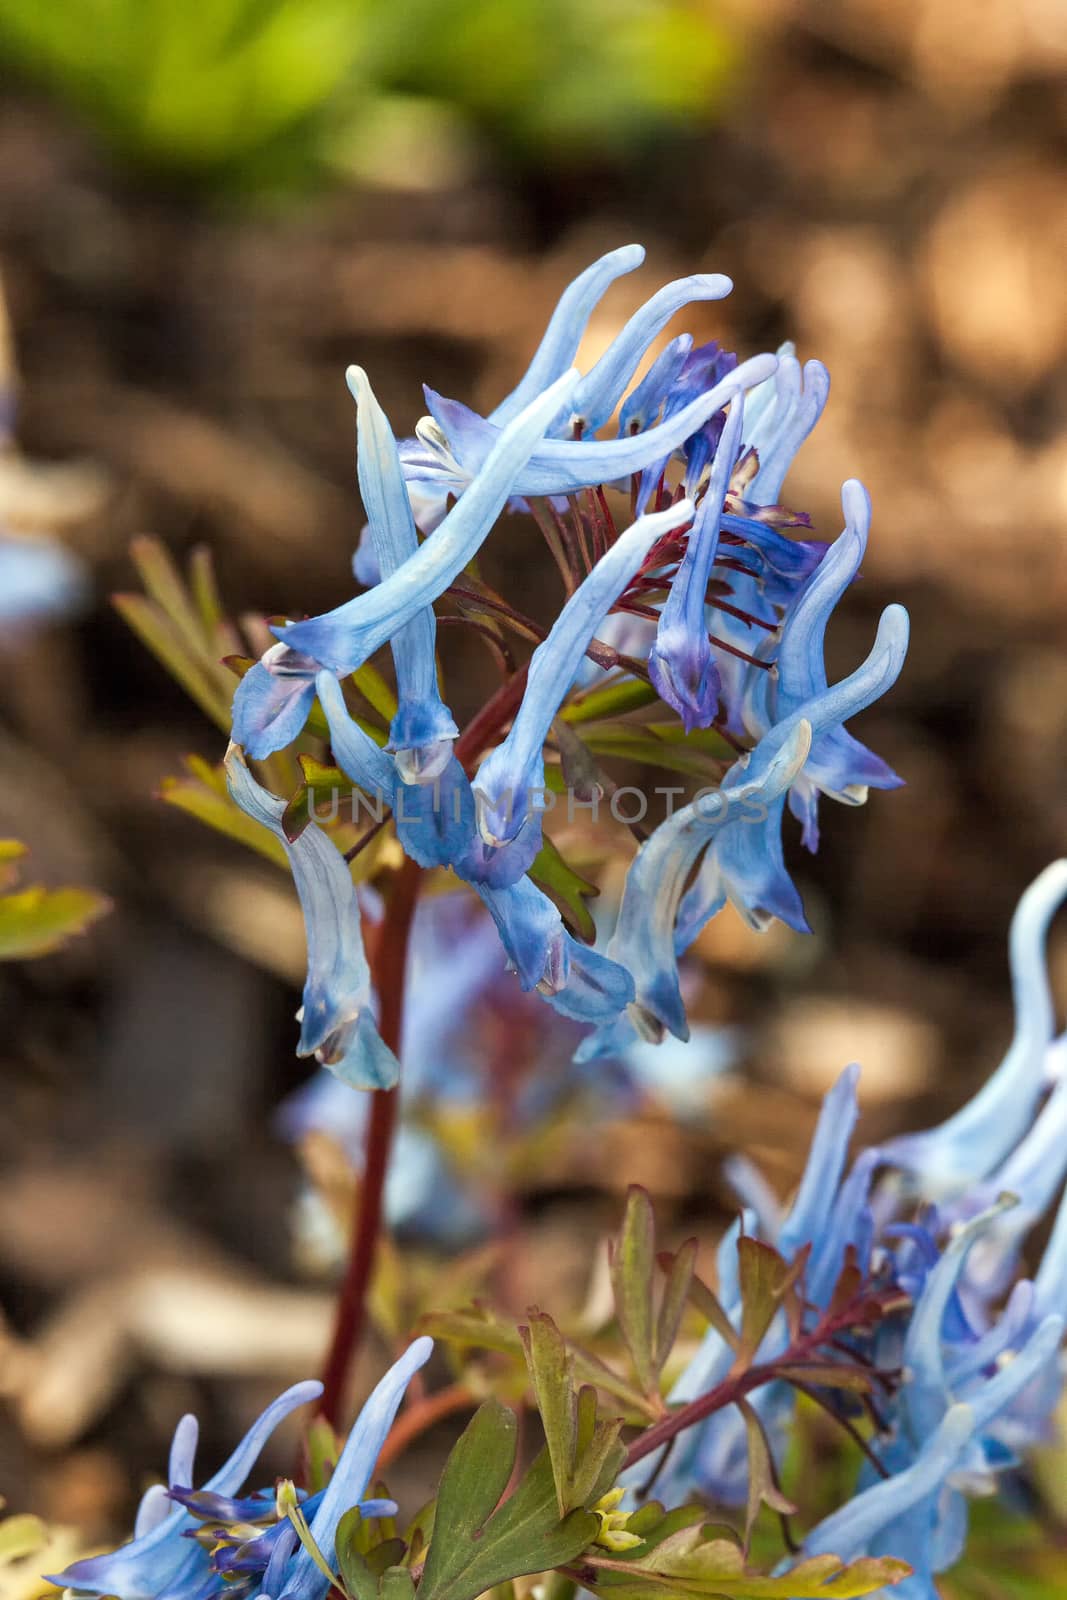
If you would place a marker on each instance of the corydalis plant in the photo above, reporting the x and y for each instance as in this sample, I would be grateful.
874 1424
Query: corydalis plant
734 610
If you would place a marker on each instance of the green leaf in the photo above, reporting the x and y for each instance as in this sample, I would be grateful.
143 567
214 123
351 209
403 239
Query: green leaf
396 1584
478 1542
675 1294
374 689
631 1276
323 1449
689 1564
201 796
567 889
358 1579
697 755
764 1279
711 1309
599 1454
552 1374
610 700
36 921
762 1475
171 649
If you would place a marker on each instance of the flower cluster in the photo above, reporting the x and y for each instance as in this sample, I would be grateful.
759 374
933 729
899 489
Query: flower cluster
972 1361
193 1544
727 612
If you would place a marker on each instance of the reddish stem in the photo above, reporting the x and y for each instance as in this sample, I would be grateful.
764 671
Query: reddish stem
803 1351
487 723
389 964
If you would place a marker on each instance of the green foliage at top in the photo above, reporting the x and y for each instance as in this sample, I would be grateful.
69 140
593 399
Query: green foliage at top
258 92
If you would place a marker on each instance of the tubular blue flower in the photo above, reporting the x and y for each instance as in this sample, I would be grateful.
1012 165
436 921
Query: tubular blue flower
461 441
982 1133
434 819
838 766
559 344
337 1021
1033 1173
902 1505
162 1561
369 767
643 404
272 700
716 1458
508 775
681 663
644 941
602 387
423 730
344 638
301 1578
779 424
577 981
39 579
746 866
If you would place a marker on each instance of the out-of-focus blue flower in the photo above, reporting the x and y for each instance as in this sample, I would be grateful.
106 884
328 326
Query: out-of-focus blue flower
975 1349
39 580
337 1019
983 1133
472 1041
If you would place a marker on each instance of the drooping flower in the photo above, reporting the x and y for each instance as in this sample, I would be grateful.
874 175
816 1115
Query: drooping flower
337 1023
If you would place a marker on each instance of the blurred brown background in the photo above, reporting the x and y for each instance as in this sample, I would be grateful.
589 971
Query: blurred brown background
885 181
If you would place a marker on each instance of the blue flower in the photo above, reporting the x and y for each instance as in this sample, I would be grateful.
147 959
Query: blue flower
680 662
166 1561
423 730
781 415
645 938
337 1020
507 778
982 1134
838 766
746 866
161 1561
39 580
738 831
559 344
344 638
454 445
300 1578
